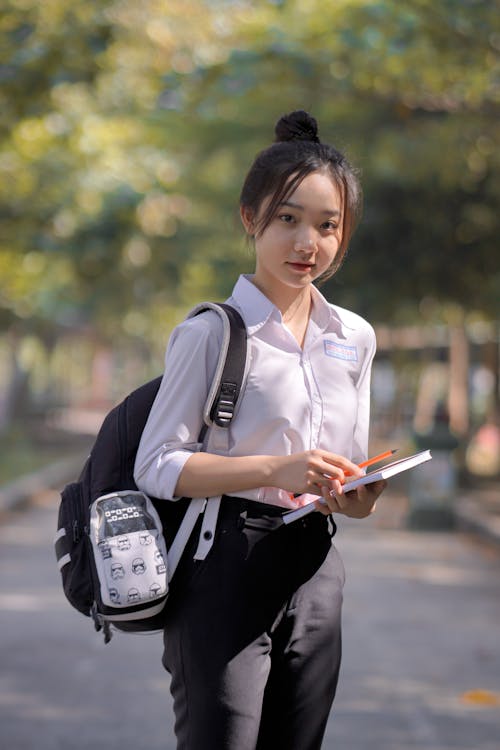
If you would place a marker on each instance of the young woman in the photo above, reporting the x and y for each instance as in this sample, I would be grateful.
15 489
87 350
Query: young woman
253 639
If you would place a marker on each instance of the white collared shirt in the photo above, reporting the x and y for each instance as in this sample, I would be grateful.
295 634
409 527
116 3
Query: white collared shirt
294 399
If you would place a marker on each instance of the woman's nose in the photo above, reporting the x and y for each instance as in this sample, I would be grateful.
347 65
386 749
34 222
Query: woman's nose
305 245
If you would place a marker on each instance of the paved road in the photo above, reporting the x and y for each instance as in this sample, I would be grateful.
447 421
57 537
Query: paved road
421 633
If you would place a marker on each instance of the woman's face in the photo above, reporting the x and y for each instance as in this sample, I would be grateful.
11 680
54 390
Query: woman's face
303 238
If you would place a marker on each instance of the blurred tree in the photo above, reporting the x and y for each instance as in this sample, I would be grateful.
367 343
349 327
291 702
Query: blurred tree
410 90
126 129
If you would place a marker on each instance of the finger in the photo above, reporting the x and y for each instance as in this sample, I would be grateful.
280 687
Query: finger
327 471
335 498
343 463
341 501
327 483
336 487
330 504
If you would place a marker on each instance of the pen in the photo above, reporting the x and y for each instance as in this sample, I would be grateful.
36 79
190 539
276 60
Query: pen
373 460
362 465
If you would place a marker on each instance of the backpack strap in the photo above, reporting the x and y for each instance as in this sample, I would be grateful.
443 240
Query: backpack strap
220 408
231 366
177 547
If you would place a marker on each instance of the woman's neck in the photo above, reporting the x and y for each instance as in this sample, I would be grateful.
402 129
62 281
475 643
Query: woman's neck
289 301
294 305
297 307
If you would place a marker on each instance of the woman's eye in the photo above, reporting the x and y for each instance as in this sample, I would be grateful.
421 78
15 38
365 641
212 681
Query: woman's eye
286 218
330 226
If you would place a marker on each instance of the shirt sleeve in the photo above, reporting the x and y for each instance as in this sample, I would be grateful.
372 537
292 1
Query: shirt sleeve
362 425
171 434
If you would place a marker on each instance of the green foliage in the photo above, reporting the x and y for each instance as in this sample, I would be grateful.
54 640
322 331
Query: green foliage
126 129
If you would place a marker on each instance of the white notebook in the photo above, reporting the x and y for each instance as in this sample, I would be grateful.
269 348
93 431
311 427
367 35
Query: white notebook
385 472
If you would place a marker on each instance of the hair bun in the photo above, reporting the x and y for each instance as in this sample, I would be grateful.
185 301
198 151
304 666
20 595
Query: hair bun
297 126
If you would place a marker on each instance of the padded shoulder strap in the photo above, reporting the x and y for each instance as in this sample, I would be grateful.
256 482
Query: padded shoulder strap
231 366
229 379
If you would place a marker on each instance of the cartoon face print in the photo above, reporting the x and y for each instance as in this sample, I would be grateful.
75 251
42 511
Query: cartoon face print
117 571
123 543
160 562
105 550
154 590
138 566
133 596
145 538
114 596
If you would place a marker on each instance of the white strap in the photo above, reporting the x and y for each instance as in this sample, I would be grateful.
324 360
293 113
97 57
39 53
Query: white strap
207 533
177 547
216 441
65 559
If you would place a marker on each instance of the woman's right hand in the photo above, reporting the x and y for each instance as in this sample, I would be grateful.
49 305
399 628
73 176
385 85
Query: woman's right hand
311 471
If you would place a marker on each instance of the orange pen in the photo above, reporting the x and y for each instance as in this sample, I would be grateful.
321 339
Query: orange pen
373 460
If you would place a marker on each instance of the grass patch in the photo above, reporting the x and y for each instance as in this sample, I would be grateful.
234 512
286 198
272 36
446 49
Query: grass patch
23 458
23 454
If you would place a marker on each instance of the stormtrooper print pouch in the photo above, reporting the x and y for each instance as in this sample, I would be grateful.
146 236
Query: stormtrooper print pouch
129 554
111 546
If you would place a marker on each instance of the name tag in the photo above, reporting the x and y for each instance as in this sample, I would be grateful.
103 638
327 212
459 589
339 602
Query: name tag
340 351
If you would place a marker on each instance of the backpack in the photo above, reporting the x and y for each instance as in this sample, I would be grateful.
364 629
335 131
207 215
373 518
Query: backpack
117 549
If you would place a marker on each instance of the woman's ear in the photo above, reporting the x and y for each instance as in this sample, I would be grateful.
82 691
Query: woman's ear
247 218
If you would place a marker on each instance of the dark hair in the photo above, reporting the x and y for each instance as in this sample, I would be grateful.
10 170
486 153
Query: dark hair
280 168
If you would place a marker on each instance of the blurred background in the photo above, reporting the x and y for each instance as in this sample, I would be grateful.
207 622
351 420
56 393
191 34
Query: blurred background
126 130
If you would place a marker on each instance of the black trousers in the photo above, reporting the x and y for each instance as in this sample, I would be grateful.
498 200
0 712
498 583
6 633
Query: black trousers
253 639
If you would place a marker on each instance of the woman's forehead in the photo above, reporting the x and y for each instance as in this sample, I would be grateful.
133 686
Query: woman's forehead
317 191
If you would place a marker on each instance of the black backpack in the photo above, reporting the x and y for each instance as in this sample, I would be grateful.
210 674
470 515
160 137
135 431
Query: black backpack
114 544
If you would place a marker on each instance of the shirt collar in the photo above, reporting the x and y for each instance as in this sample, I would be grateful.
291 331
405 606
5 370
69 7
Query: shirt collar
326 315
256 308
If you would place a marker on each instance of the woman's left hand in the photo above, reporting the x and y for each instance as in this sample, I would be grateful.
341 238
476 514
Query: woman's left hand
358 503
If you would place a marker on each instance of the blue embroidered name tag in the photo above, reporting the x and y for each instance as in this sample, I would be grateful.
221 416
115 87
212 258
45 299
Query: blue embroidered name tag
339 351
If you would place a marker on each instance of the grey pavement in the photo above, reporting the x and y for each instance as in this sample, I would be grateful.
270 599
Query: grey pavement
422 641
421 667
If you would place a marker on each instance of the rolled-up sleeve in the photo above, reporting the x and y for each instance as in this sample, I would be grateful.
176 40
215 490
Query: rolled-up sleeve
362 424
172 430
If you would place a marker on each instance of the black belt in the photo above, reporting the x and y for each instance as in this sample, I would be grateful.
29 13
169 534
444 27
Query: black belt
240 511
234 506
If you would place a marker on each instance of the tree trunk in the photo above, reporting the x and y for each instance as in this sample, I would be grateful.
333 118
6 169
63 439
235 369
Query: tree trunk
458 394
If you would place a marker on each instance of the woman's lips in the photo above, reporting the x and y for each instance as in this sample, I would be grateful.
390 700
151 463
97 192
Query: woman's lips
301 266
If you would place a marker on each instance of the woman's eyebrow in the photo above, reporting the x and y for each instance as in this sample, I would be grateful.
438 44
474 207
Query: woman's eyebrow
326 211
